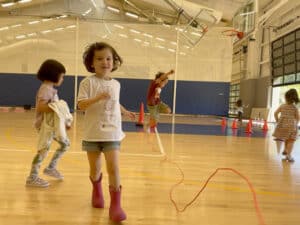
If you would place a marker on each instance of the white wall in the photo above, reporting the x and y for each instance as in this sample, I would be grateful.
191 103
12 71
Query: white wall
210 60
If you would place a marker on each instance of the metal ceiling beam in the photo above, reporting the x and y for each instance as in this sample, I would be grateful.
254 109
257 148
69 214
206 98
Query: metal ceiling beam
181 12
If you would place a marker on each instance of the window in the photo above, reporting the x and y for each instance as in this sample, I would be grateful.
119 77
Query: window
277 53
289 38
288 79
298 34
290 58
278 71
298 44
286 59
298 55
277 44
289 48
233 97
298 77
277 62
278 81
290 68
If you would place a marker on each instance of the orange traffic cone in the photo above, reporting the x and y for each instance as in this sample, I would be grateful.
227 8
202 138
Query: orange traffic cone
250 121
234 124
265 126
249 128
224 122
141 116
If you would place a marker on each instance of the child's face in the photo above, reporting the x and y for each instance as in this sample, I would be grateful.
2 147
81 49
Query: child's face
60 80
103 62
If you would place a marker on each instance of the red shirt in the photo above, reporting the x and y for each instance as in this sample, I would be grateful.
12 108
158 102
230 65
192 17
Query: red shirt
151 100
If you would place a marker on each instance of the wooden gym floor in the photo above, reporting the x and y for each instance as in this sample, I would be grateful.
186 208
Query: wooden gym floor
147 179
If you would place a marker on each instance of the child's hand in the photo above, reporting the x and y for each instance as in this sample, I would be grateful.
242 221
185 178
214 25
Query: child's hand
103 96
171 71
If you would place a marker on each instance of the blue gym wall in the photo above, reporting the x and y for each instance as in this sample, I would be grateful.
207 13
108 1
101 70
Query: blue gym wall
193 97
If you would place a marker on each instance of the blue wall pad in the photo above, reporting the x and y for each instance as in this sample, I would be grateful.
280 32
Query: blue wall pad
208 98
19 90
193 97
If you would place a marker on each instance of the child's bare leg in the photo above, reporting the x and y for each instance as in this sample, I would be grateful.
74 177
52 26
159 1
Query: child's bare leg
279 146
94 158
289 148
152 122
112 164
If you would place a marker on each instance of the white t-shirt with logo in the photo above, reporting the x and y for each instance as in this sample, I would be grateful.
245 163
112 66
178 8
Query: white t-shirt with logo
102 120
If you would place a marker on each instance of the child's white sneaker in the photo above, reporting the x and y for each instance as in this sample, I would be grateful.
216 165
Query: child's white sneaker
53 173
36 182
290 159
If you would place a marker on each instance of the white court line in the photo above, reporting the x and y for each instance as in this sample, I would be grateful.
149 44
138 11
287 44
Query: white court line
161 147
13 150
80 152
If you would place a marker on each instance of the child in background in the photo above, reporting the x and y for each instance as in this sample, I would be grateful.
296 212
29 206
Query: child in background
99 97
287 123
240 109
51 73
154 104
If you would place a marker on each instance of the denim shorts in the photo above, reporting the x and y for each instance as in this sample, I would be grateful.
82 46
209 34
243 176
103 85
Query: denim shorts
100 145
155 110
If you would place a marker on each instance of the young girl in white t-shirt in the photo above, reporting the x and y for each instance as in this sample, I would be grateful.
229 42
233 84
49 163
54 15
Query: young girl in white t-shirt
99 97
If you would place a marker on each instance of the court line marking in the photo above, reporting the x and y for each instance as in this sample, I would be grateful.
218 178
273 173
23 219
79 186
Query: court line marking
81 152
164 179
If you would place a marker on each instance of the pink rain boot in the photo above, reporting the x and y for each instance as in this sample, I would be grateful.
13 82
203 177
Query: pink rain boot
116 213
97 195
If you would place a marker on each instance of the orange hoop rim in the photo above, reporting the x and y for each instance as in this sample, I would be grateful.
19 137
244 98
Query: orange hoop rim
233 32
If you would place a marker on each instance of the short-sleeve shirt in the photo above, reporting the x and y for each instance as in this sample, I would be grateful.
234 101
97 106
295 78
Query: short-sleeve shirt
45 93
102 120
151 95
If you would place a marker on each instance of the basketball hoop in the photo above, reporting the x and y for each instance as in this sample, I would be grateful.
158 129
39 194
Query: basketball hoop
232 32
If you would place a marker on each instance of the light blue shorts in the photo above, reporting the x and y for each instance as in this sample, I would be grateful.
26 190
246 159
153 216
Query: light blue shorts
101 146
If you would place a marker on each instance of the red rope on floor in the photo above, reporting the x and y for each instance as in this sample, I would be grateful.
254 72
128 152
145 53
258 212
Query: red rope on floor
256 206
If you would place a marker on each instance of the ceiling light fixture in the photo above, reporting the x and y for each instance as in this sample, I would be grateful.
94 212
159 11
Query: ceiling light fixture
20 36
3 28
31 34
7 4
58 29
148 35
118 26
16 25
132 15
123 35
47 19
135 31
46 31
24 1
33 22
71 26
160 39
113 9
